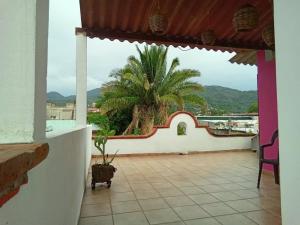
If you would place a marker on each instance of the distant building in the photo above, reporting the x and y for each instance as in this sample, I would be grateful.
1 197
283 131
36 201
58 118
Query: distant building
66 112
247 123
93 109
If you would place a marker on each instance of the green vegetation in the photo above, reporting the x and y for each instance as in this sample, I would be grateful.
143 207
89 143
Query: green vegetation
253 108
217 104
60 100
97 119
100 142
149 89
227 100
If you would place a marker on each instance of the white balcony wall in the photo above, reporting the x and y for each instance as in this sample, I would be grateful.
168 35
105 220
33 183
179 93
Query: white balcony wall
166 140
55 189
287 32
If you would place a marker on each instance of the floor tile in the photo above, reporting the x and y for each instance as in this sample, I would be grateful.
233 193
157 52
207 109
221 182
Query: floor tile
205 221
192 190
173 223
212 188
236 219
183 184
204 179
94 199
218 180
263 218
243 205
119 197
95 210
155 203
146 194
232 187
264 203
247 194
203 198
190 212
159 185
133 218
179 201
96 220
168 192
128 206
218 209
226 196
161 216
120 187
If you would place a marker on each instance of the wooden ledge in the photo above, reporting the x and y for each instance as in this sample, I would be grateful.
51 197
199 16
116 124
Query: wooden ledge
15 161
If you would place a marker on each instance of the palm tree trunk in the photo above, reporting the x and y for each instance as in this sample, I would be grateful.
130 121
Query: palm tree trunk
163 114
147 120
134 122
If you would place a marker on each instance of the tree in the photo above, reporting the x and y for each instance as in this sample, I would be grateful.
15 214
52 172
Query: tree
253 108
97 119
149 88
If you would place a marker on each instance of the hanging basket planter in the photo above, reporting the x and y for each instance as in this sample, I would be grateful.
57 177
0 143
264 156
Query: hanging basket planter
246 18
158 23
208 37
268 36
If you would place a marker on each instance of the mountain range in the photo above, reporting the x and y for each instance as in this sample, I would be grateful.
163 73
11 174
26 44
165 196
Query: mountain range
60 100
227 99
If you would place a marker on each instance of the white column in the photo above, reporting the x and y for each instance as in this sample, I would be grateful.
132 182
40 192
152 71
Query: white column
81 78
23 70
287 32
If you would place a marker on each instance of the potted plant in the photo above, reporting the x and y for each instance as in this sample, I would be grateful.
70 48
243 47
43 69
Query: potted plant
103 172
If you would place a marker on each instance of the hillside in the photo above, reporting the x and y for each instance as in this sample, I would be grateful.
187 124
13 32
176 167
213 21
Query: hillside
230 100
58 99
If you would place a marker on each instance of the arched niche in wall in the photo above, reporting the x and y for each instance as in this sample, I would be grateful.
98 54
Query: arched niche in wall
181 128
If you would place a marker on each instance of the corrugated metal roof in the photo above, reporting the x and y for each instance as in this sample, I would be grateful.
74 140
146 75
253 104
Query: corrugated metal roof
128 20
246 58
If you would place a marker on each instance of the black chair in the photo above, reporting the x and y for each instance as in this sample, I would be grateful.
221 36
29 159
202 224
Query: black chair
274 162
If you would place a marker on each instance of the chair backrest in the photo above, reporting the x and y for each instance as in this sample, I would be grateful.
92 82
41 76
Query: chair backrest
274 137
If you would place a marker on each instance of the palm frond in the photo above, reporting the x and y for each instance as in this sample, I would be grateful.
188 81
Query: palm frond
118 103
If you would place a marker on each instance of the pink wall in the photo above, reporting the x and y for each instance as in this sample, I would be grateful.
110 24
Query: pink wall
267 102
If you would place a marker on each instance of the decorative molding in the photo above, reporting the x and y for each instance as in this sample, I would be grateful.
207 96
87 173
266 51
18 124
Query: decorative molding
15 161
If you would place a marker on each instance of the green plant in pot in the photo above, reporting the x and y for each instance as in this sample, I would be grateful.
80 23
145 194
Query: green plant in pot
103 172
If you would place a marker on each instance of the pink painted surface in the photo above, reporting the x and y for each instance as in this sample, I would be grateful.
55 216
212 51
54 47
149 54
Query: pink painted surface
267 102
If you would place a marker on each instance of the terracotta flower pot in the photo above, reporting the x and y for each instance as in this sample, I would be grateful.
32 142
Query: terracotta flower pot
102 174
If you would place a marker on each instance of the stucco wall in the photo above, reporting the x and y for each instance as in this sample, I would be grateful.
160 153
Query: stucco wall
267 100
166 140
23 69
287 31
55 189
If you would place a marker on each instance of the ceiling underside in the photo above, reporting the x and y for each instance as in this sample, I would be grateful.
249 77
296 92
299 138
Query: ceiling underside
128 20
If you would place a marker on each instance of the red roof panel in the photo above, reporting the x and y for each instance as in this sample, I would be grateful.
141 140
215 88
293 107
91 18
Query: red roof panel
128 20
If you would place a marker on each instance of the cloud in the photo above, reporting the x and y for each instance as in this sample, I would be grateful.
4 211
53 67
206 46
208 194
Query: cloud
105 55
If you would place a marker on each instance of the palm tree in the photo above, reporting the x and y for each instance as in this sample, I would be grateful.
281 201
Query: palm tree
149 88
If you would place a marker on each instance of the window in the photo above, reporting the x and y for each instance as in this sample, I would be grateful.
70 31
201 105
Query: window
181 128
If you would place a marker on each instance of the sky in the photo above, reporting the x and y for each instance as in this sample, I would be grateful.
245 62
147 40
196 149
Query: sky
104 56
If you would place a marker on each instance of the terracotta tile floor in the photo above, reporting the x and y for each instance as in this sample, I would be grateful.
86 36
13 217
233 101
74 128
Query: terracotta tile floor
197 189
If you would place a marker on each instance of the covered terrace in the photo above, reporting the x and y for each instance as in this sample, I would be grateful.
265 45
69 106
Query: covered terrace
219 193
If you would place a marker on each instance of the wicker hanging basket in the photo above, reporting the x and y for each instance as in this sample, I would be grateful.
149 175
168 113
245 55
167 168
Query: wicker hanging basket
158 22
246 18
208 37
268 36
